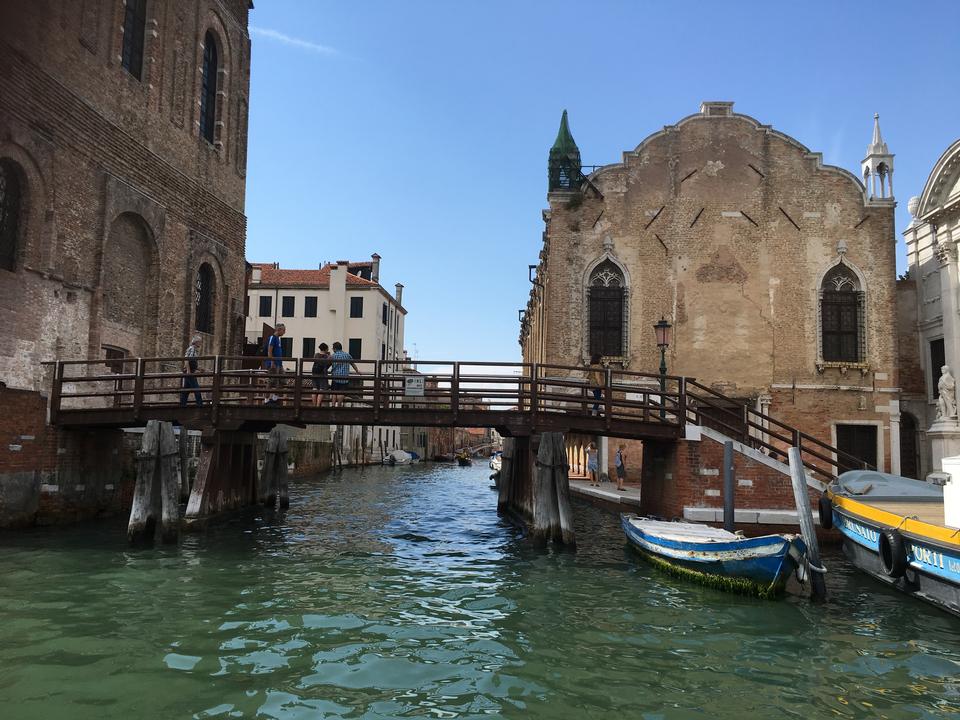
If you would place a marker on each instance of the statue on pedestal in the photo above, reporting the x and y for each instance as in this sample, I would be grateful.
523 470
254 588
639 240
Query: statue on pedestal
947 402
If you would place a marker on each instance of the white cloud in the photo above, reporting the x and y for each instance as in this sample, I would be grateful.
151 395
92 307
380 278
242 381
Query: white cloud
292 41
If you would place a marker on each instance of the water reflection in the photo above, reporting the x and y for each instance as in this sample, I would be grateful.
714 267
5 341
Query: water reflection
396 592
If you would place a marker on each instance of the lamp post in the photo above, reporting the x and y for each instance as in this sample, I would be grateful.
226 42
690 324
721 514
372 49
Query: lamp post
662 329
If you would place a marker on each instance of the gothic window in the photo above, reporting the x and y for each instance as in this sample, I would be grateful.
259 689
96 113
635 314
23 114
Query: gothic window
842 316
208 89
10 209
134 24
204 299
607 301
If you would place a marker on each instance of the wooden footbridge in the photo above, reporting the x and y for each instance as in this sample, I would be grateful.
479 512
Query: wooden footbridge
517 399
231 399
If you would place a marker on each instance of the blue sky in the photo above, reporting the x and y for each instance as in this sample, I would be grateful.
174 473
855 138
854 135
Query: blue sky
420 130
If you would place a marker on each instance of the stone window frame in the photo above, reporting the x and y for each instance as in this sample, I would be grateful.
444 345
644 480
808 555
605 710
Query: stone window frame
863 339
205 300
134 33
214 28
624 357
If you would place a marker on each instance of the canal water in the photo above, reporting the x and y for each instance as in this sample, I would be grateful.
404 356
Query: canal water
398 592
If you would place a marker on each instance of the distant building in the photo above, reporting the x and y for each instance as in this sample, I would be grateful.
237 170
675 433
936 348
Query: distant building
339 302
777 273
930 311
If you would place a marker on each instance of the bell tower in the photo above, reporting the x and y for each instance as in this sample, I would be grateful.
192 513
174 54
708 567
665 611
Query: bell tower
877 167
563 167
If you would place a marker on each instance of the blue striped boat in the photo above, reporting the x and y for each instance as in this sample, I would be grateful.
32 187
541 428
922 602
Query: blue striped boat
758 566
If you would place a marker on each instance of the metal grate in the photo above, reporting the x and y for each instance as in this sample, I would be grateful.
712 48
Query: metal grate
841 318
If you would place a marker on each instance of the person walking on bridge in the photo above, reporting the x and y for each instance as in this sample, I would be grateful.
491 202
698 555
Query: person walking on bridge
190 367
274 362
340 373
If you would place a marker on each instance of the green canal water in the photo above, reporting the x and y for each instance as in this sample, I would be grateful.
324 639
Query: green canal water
398 592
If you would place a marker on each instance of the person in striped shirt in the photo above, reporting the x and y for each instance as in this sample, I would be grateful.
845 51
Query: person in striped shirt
340 364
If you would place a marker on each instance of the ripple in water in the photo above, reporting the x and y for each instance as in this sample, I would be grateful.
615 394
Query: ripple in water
398 592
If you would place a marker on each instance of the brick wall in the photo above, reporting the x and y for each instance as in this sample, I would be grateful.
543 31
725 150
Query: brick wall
50 476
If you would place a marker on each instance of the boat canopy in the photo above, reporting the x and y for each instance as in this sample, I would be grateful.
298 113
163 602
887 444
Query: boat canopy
876 485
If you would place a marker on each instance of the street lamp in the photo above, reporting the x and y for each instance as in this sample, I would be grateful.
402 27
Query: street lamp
662 329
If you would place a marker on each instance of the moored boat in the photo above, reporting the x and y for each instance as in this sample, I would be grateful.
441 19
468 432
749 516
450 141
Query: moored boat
894 529
759 565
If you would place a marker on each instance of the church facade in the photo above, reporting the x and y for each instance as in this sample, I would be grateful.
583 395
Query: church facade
776 272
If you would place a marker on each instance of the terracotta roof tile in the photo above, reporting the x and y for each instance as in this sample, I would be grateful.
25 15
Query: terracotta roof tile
270 275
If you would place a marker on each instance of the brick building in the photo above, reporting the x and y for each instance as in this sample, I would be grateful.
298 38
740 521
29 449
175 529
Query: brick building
123 131
777 273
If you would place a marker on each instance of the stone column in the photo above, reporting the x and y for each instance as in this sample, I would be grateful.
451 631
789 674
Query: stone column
947 257
603 458
895 437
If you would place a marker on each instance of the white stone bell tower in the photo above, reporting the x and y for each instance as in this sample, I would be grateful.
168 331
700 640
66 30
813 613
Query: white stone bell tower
877 167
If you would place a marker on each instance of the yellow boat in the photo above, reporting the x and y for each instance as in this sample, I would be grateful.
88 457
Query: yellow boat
894 529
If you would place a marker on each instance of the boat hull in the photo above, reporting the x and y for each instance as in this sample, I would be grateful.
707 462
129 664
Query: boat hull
752 565
933 569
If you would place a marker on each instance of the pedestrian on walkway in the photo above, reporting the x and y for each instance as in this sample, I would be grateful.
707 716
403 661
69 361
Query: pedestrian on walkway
620 461
190 367
321 383
341 362
274 362
597 380
592 466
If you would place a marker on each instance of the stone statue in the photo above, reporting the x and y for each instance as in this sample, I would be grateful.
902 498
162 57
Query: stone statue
947 402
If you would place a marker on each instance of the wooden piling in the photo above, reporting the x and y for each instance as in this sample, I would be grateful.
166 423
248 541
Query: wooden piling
273 475
798 478
155 496
506 475
729 488
182 440
552 516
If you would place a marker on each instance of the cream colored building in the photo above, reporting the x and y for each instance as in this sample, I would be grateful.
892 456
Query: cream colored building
341 301
930 308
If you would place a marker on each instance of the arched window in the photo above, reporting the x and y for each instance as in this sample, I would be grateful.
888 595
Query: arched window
10 209
841 316
607 296
208 89
204 299
134 24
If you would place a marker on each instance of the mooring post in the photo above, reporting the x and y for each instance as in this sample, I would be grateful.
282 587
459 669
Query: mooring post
506 475
169 487
182 438
282 484
143 512
552 517
798 478
729 508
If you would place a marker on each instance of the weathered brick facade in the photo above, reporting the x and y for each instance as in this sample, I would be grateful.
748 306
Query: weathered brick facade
121 200
730 230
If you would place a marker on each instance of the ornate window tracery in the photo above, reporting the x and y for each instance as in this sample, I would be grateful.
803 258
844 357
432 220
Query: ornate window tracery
842 316
607 307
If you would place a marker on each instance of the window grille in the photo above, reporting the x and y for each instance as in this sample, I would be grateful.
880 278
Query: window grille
134 24
842 317
208 90
607 299
288 306
310 306
10 198
204 299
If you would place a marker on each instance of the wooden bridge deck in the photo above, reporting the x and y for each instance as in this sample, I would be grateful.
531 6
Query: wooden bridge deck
518 399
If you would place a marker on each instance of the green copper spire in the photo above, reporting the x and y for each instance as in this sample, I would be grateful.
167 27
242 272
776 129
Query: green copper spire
564 144
563 168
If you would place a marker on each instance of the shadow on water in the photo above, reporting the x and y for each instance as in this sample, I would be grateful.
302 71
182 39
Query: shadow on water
399 592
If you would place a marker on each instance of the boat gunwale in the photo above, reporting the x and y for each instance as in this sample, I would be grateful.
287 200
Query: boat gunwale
920 530
711 545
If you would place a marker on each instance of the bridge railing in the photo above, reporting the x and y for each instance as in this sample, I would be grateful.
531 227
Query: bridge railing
138 385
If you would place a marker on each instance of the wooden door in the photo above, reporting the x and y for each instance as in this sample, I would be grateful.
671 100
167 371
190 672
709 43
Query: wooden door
859 441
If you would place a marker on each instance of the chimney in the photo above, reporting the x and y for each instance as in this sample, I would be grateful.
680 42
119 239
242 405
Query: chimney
375 272
256 274
399 295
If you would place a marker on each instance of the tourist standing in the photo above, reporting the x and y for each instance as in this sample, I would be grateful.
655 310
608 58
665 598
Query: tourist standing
592 466
274 362
341 362
620 462
190 367
321 382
